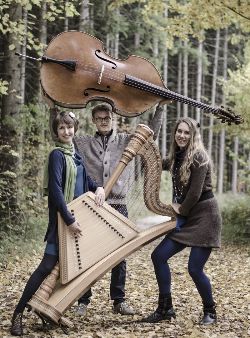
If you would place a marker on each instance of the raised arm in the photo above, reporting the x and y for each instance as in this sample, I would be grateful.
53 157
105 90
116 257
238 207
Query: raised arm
156 122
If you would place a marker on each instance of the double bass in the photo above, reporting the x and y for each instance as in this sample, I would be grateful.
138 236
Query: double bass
75 70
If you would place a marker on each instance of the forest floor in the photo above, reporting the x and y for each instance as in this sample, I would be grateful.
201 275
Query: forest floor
228 269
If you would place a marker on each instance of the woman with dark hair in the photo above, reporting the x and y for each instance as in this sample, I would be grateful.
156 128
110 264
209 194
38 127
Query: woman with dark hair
65 178
198 220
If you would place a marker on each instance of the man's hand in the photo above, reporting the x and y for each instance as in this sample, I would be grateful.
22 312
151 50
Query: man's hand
75 229
165 101
176 207
100 196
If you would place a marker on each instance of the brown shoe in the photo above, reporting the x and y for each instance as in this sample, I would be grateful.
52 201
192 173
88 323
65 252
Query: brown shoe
16 324
124 309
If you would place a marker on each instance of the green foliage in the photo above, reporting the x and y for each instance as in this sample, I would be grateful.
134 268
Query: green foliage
3 87
23 30
9 210
186 17
243 173
237 90
236 217
26 195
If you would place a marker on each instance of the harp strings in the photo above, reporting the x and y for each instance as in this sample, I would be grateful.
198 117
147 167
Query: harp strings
133 190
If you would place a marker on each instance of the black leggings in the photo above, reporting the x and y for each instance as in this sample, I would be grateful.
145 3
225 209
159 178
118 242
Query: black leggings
197 260
43 270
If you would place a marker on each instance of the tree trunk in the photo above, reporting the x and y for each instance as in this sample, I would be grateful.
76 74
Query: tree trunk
84 24
43 110
108 43
157 61
20 149
179 79
235 165
156 57
213 94
199 79
43 40
164 117
116 46
137 38
222 133
66 19
185 77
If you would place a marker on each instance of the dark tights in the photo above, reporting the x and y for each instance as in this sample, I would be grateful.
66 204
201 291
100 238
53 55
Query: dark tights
43 270
197 260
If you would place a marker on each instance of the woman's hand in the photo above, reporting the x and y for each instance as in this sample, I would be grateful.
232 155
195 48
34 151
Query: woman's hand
100 196
176 207
75 229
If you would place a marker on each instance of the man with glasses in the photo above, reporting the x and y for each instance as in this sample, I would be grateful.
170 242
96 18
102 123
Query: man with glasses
101 154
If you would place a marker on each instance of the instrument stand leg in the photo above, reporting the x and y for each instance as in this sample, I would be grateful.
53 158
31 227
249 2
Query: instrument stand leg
48 324
64 329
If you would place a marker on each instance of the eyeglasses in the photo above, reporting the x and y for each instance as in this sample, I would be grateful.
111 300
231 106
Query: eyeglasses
103 119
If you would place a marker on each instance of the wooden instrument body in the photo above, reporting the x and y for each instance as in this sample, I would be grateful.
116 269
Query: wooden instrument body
75 70
63 296
75 89
103 231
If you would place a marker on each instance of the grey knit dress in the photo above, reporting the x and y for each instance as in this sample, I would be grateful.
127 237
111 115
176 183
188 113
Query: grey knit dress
203 219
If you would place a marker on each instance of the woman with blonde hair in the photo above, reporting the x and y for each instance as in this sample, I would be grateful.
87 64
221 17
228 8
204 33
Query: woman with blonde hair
198 220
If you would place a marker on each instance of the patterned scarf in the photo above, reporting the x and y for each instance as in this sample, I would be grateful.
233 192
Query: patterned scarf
70 180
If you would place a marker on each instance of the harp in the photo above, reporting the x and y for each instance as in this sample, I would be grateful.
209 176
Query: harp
80 266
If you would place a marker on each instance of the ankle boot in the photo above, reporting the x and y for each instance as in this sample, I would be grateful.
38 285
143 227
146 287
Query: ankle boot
209 315
16 324
164 310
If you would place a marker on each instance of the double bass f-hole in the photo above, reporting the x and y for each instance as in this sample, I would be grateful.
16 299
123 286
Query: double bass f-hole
106 60
86 91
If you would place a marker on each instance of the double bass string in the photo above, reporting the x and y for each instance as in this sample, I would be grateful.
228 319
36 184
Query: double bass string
116 75
110 74
103 71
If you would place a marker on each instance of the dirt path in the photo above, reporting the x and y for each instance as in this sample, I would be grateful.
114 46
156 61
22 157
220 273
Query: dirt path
229 271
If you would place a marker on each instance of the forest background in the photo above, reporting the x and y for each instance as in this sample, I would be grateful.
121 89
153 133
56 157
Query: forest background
201 49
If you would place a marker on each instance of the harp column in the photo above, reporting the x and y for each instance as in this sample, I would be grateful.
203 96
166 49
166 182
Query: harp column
138 139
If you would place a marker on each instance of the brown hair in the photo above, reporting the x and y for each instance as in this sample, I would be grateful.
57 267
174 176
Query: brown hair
102 107
194 147
64 117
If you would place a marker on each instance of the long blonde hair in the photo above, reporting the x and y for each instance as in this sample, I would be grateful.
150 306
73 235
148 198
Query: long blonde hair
195 147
